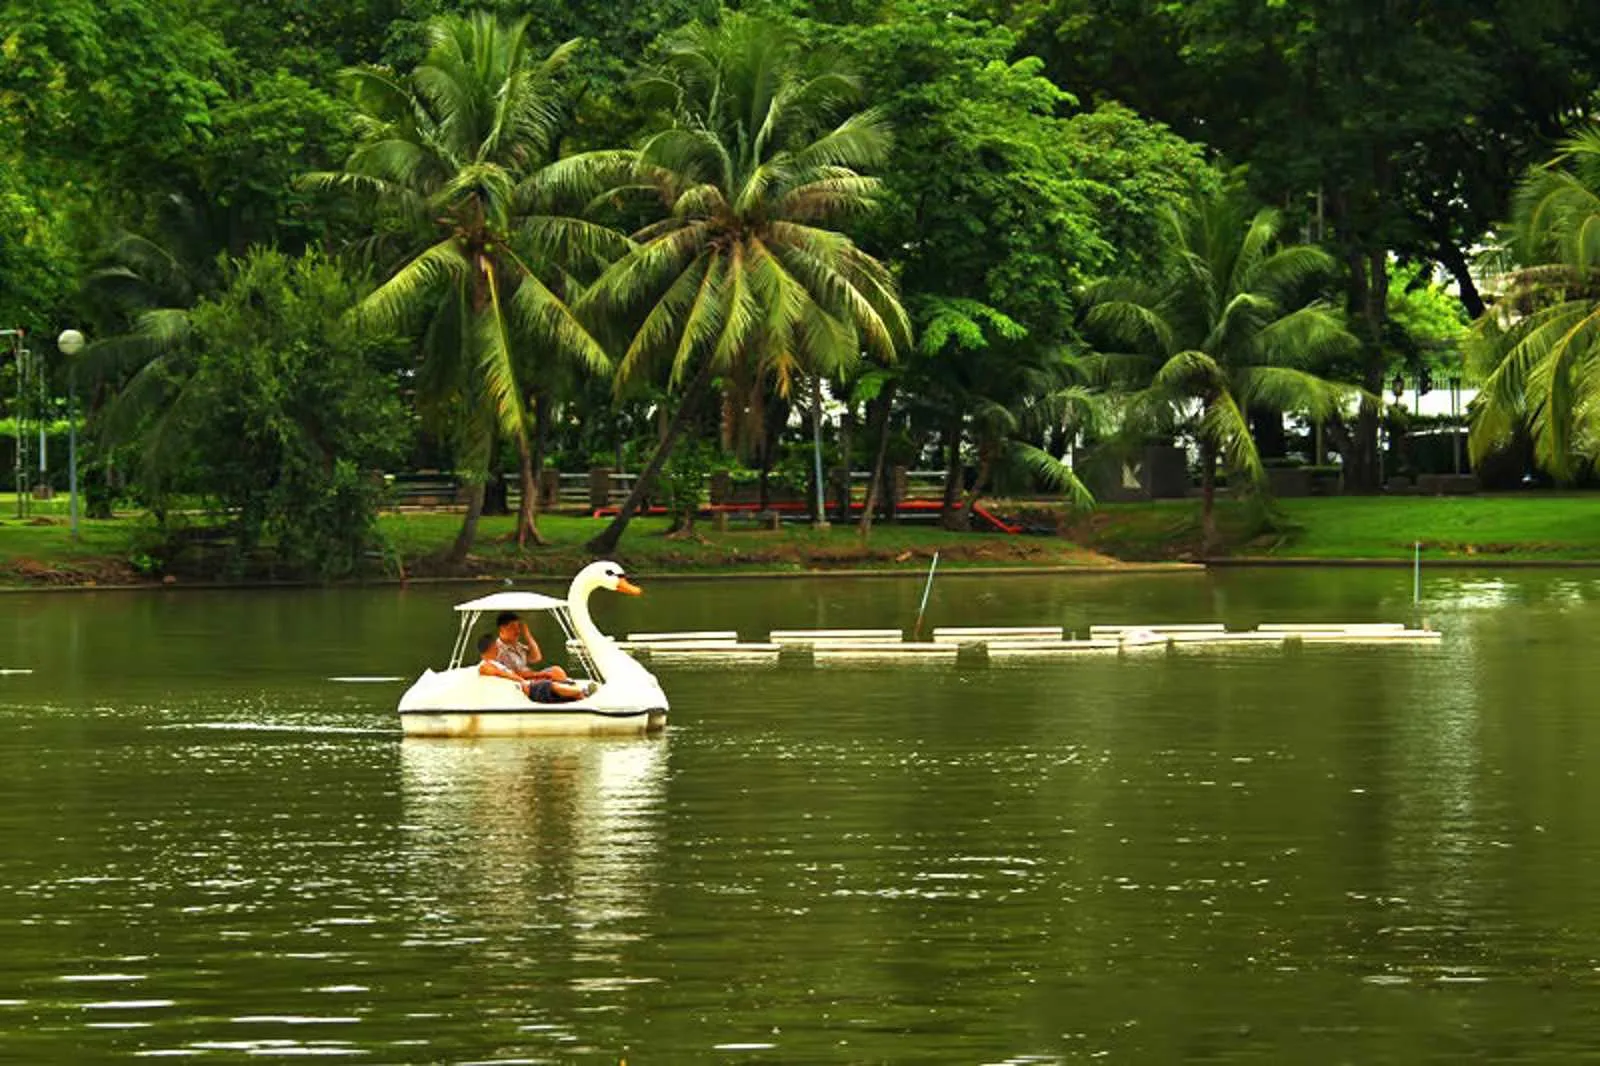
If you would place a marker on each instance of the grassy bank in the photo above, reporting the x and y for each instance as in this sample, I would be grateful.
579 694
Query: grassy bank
1515 527
40 551
1478 529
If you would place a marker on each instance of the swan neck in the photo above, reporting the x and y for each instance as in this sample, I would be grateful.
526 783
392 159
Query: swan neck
582 623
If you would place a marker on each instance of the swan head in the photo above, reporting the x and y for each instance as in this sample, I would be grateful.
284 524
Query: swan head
603 575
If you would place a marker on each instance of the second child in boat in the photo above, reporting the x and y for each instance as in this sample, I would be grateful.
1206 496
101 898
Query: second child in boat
539 689
517 651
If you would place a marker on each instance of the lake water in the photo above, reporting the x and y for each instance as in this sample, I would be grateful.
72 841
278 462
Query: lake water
1335 854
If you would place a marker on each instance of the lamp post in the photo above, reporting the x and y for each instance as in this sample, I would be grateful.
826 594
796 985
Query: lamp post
1455 420
71 343
15 336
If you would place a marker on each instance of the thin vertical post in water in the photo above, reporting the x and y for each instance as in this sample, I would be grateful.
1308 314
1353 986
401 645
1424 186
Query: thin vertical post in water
916 631
1416 574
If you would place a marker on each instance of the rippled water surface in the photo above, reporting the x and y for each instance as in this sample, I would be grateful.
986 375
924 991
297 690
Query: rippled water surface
1339 854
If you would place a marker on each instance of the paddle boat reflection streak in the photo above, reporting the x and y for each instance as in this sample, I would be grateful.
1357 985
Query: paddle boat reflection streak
460 702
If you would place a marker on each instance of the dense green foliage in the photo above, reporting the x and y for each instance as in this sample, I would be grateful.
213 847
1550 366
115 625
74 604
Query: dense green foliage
456 164
291 410
588 221
1539 355
743 270
1233 326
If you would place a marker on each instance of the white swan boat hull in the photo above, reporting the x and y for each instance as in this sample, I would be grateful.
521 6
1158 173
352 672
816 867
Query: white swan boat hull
464 703
461 701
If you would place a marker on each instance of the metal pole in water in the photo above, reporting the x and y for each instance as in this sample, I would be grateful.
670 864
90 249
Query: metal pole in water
916 632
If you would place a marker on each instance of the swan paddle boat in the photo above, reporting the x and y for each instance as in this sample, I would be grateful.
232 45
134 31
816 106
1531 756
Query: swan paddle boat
460 702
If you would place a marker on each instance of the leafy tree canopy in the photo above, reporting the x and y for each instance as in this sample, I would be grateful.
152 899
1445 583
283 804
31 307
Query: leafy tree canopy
125 88
295 410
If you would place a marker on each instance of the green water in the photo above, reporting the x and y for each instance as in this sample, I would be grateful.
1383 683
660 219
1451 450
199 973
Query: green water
1339 854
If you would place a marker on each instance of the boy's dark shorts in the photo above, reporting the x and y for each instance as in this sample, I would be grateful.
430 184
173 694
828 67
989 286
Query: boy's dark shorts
544 692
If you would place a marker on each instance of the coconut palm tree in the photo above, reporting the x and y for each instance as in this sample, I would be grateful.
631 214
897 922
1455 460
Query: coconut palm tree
456 161
143 289
1538 350
1234 326
976 379
743 273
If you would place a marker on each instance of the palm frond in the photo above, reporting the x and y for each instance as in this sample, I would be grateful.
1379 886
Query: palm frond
1138 326
1191 372
672 317
1282 388
1055 473
544 316
400 299
497 363
1223 423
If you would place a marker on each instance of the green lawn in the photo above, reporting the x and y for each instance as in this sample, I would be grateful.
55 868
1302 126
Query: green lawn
39 550
796 547
1521 525
1513 526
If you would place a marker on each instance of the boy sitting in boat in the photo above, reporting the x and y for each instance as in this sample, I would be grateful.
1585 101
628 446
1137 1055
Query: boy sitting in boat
539 689
517 651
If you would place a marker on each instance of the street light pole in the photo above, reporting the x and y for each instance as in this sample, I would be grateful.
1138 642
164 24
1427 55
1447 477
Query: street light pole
71 343
1455 421
15 336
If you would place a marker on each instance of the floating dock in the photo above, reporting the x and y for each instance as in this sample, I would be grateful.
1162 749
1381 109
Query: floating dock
997 643
836 636
1158 628
666 653
989 635
1366 636
883 651
696 636
1034 650
1226 639
1330 627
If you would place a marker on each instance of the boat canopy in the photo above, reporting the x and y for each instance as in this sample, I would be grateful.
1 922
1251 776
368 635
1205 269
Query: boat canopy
511 601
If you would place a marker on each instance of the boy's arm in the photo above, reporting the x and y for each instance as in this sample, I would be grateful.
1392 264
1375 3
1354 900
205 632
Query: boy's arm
490 668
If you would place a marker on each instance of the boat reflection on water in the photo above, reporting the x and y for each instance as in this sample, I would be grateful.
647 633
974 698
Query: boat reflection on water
518 838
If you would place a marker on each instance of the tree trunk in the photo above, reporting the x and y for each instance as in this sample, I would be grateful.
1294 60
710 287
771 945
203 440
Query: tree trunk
541 439
774 416
1452 259
469 525
605 542
1267 428
1057 444
528 467
846 425
527 507
952 517
980 481
884 405
1368 303
1208 497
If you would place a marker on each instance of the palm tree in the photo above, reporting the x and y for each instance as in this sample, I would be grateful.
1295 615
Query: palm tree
976 377
742 274
143 289
1538 349
1233 327
456 160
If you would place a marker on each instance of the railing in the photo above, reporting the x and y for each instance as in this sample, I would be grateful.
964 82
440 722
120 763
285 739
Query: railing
599 488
